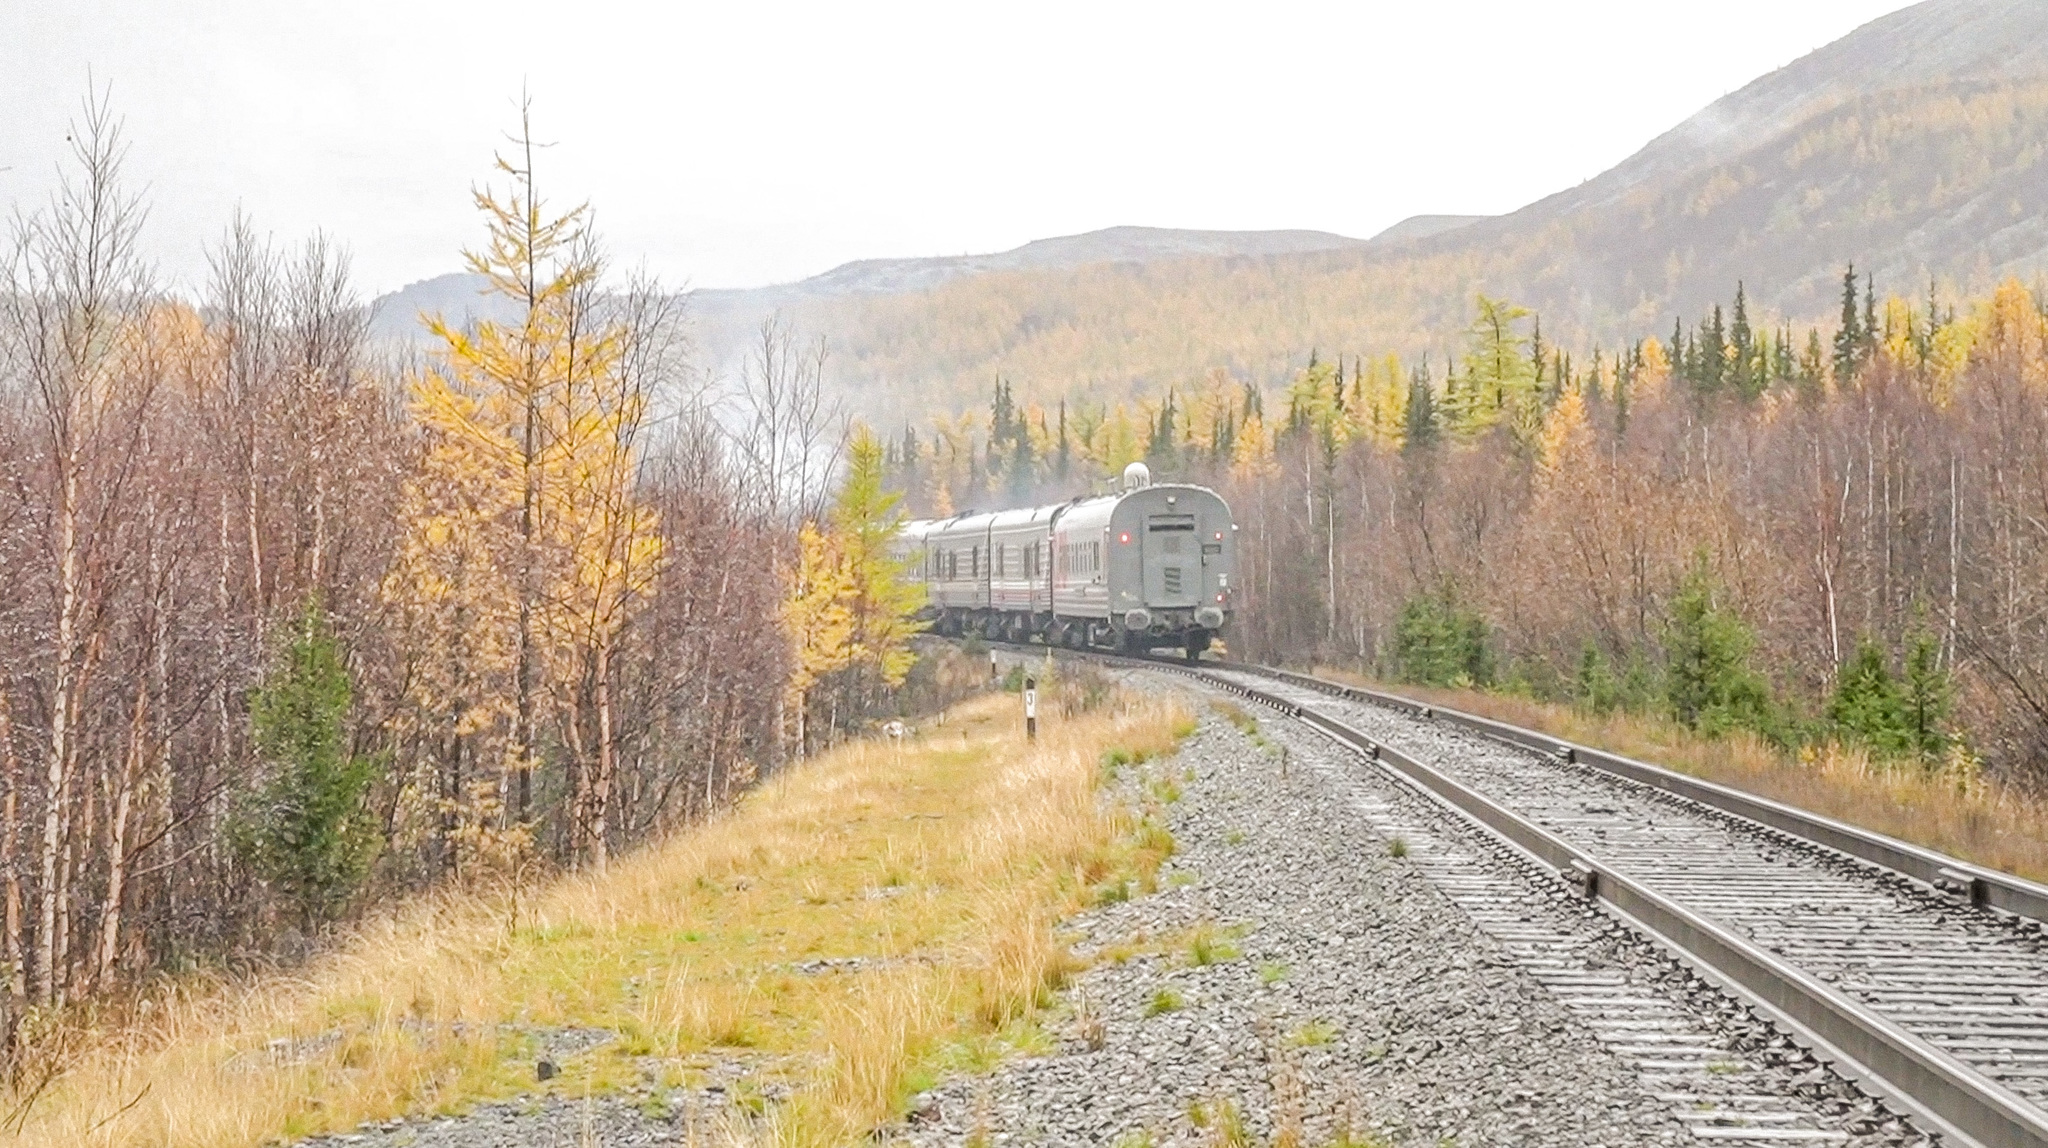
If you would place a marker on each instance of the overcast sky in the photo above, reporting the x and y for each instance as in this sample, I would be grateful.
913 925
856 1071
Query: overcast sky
744 142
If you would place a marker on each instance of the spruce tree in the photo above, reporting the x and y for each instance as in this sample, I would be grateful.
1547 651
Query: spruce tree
1624 382
1849 336
1440 642
1810 367
1063 458
911 455
1420 429
1160 451
305 830
1743 375
1925 696
1709 683
1597 689
1866 705
1713 355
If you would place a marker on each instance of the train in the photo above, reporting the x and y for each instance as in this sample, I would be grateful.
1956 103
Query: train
1148 566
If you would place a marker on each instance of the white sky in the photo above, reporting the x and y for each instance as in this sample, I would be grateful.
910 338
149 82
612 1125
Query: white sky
738 143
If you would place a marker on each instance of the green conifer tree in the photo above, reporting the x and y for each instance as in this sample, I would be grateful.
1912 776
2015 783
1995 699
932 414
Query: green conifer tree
1926 694
1811 365
1419 432
1866 704
1712 372
1743 377
1849 336
306 831
1709 683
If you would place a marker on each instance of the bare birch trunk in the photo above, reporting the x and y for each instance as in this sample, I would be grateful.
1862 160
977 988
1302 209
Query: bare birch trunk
601 788
10 861
117 837
56 773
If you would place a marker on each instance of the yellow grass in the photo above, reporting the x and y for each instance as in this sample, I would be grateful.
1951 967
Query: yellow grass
1965 816
941 863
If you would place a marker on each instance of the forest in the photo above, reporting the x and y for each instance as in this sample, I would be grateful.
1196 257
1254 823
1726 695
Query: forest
1812 534
298 624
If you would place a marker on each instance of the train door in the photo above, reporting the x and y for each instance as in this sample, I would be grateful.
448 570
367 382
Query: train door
1173 561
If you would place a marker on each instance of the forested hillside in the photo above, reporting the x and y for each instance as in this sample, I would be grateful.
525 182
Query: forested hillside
1819 535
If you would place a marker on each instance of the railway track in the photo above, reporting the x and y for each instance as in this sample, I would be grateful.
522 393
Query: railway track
1922 978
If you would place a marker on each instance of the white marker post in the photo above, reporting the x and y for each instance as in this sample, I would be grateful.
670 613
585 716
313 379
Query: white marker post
1031 709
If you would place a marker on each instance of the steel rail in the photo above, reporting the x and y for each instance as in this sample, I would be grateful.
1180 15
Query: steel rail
1981 886
1942 1093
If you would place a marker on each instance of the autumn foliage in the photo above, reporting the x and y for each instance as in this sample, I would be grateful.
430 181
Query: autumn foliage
1708 524
296 625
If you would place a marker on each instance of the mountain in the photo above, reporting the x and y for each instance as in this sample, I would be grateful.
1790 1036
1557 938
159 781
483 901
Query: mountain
1913 147
458 296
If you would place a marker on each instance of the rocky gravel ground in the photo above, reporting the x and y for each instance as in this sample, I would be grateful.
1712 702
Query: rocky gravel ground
1344 995
1298 975
715 1104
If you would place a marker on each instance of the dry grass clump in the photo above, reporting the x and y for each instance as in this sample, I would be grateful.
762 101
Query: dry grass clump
1956 812
928 874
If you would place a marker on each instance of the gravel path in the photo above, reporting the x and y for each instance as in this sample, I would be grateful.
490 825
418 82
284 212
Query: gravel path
1432 992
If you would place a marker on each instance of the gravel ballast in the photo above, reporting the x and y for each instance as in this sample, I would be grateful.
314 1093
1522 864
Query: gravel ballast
1399 974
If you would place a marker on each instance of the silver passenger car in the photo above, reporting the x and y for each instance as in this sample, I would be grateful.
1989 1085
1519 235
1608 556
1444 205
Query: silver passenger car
1148 566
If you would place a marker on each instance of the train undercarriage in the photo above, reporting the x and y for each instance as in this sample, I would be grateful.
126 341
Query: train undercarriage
1157 629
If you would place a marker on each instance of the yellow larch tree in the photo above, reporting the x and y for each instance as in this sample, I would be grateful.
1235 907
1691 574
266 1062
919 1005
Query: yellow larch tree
1252 454
817 616
527 490
1565 445
1655 373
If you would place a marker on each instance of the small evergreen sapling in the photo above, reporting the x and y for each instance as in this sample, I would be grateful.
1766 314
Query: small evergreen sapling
305 830
1709 683
1867 705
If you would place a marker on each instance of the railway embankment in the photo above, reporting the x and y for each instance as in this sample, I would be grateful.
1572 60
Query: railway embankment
786 974
1332 959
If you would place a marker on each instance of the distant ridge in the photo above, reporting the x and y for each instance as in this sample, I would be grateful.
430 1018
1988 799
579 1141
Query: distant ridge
1911 146
457 296
1425 226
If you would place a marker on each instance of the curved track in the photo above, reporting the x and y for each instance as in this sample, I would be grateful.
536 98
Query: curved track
1914 985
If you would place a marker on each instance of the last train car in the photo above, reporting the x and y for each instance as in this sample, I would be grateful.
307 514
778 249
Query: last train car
1146 567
